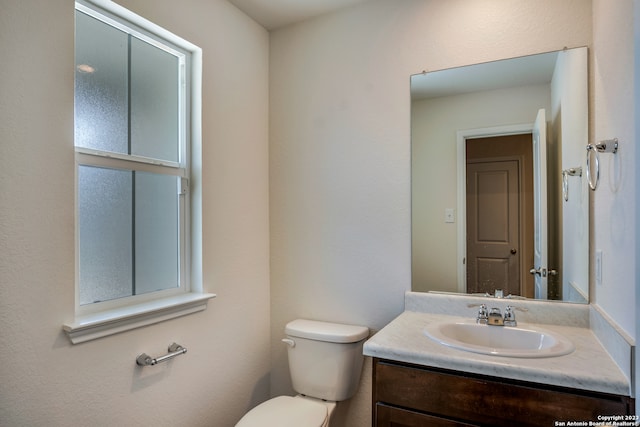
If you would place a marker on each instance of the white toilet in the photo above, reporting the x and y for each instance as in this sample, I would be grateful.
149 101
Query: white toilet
325 362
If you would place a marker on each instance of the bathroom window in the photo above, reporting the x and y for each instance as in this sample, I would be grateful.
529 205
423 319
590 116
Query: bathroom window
136 135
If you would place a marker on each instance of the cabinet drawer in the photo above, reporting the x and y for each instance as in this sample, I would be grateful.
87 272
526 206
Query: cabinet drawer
389 416
488 400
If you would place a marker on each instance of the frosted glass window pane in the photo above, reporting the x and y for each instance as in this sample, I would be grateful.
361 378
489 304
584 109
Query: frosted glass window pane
105 231
101 92
156 234
130 100
154 102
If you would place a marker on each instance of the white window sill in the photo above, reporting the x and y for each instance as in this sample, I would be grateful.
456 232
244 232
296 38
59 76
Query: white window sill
98 325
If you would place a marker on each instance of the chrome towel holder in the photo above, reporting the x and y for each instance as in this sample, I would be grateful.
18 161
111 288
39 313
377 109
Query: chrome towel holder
606 146
174 350
565 180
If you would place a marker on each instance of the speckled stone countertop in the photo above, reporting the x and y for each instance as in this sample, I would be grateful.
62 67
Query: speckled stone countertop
589 367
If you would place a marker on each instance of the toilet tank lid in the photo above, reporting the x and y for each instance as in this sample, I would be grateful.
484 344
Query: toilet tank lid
324 331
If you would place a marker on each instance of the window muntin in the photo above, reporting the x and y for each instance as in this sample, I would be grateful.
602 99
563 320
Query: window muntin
132 163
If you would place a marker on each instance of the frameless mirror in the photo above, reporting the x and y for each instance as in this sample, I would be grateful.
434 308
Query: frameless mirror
499 201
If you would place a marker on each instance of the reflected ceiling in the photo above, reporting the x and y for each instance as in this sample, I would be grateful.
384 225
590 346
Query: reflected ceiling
526 70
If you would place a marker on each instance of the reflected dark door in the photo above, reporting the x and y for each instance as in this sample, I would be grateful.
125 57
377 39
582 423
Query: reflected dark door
493 242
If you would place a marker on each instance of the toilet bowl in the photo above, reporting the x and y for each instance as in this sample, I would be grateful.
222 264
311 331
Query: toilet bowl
325 363
287 411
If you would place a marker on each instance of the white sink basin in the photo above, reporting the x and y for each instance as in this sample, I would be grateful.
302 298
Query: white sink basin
500 340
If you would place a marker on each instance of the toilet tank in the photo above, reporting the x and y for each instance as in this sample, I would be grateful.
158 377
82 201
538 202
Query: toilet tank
325 359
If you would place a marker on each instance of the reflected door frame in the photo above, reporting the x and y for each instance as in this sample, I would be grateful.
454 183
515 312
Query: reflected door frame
462 136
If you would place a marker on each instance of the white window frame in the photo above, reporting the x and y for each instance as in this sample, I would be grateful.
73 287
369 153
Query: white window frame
101 319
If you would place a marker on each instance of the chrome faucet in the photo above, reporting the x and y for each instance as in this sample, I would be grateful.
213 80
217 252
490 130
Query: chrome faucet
495 316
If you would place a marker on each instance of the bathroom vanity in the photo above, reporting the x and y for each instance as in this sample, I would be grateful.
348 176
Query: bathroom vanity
413 395
418 381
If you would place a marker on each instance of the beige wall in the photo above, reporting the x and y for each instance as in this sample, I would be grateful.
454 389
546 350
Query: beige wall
615 214
636 133
614 210
46 381
340 153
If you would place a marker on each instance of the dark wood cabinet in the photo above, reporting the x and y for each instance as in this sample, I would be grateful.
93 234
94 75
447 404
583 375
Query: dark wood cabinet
406 395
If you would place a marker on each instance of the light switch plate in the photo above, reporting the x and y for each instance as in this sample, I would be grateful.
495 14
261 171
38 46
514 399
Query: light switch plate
449 215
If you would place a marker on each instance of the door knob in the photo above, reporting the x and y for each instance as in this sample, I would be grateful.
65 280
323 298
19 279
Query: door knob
514 251
539 271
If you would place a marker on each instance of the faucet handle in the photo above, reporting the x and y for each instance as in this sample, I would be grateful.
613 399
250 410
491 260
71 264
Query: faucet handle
510 316
483 313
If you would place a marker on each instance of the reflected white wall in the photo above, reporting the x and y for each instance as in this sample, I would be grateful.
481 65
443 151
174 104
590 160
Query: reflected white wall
570 128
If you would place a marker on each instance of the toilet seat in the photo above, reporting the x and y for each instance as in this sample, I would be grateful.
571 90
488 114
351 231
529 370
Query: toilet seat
286 411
